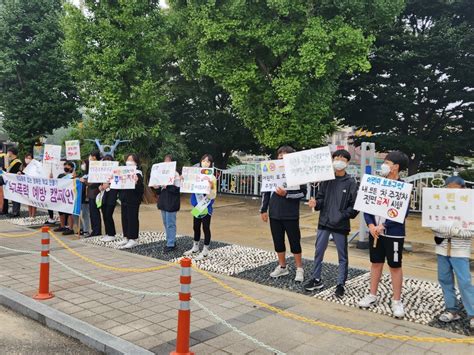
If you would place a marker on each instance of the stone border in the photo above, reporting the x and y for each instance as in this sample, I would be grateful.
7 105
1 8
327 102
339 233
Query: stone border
70 326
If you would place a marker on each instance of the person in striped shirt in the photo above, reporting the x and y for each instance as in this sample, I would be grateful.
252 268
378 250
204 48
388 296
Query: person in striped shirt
453 249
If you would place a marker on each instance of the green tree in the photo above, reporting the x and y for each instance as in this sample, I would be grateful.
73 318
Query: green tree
36 91
418 96
280 60
119 54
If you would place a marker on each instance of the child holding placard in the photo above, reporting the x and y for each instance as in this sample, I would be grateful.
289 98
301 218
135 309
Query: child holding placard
109 202
453 248
206 203
283 209
386 242
131 200
169 203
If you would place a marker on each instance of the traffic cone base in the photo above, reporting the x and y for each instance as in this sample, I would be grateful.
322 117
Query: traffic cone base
43 296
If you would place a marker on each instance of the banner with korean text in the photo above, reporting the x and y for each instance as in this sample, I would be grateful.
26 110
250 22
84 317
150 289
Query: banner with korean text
63 195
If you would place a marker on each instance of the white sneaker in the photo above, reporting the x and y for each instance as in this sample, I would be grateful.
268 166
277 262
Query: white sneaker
193 250
122 242
107 239
397 309
279 271
203 255
299 274
368 301
130 244
448 317
471 324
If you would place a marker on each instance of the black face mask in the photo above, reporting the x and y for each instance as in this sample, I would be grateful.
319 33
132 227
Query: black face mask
67 170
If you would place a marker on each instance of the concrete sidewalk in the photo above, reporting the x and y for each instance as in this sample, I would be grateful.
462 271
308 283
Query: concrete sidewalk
150 321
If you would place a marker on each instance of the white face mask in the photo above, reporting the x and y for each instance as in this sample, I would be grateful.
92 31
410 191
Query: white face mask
339 165
130 163
385 170
27 161
83 167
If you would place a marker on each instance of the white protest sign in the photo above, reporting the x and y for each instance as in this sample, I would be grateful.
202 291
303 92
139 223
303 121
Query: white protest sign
101 171
52 153
383 197
73 150
162 174
441 207
123 178
63 195
308 166
273 176
53 168
196 180
34 169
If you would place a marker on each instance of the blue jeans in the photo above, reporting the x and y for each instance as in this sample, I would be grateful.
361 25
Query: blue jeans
169 221
322 240
447 268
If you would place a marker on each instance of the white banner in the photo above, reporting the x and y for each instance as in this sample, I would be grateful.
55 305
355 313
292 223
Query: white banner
73 150
273 176
162 174
52 153
124 178
101 171
63 195
441 207
196 180
34 169
308 166
383 197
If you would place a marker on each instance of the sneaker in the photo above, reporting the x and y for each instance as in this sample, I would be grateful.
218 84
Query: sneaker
471 324
168 249
50 222
193 250
59 229
68 231
313 284
299 274
122 242
448 317
107 239
339 291
279 271
130 244
397 309
367 301
202 255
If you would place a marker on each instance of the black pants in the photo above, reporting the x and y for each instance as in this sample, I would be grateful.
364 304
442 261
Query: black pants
96 223
5 206
51 214
292 229
16 208
108 217
130 221
206 227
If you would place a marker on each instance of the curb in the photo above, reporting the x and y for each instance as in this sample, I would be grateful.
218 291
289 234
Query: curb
87 334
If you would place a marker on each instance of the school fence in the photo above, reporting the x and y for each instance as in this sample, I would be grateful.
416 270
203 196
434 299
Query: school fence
246 180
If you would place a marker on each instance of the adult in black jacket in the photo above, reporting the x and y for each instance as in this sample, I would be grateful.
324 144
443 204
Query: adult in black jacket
109 202
169 202
335 200
92 192
13 167
283 208
131 200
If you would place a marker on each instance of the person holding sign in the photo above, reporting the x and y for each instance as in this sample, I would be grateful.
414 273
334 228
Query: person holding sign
109 202
27 160
66 220
283 208
169 203
13 167
335 200
92 192
386 242
131 200
202 212
453 248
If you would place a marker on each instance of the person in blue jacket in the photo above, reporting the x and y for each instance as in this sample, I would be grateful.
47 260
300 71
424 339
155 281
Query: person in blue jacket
386 240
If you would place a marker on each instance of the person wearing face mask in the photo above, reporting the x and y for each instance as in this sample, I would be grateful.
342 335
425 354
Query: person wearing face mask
85 219
13 167
282 208
109 201
335 201
389 237
204 219
66 220
131 200
27 160
92 192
